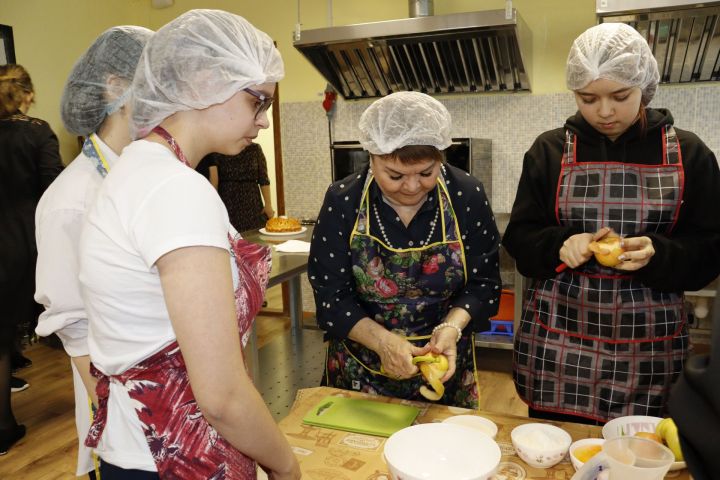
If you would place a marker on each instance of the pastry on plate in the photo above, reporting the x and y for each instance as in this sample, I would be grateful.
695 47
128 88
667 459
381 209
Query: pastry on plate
282 225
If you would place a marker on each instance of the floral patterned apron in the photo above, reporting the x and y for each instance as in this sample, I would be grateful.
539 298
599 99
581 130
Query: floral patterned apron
183 444
594 341
407 291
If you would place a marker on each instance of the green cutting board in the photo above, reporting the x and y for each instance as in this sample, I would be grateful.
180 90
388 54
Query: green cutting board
361 416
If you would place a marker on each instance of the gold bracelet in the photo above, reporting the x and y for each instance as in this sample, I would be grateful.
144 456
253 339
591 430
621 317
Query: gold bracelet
446 324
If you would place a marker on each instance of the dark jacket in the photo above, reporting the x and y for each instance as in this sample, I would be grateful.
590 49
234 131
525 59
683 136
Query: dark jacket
695 407
29 162
688 259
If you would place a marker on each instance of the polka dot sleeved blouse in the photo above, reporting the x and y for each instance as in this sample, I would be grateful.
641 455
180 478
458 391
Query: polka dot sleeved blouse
338 308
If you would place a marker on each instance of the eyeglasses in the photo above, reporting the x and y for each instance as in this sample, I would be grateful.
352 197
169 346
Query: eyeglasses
263 102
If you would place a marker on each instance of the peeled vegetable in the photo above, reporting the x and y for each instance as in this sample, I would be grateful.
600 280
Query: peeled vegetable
433 368
668 431
607 250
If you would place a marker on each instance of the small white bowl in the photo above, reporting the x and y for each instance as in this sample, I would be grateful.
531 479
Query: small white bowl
577 463
540 456
477 422
441 451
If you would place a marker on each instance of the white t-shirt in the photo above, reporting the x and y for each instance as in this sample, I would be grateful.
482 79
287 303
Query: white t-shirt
58 222
148 205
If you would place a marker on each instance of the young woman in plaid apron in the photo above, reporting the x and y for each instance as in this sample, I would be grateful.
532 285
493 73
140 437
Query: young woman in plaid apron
594 342
388 288
160 261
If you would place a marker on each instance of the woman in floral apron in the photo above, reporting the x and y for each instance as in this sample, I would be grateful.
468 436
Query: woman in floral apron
404 258
160 262
595 342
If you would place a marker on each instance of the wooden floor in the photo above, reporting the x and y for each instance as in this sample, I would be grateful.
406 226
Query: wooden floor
49 449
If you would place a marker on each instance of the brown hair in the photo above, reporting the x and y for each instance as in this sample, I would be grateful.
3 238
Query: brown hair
412 154
15 84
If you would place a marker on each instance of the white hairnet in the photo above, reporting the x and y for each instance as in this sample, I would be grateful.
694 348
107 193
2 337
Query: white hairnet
613 51
87 97
200 59
404 118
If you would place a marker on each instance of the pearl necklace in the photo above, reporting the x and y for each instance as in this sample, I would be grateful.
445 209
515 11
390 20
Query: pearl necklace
384 235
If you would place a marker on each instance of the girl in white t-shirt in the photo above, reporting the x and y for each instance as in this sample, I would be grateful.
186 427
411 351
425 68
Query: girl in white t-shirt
166 279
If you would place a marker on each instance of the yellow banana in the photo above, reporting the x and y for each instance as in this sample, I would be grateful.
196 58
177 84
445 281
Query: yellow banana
433 368
668 431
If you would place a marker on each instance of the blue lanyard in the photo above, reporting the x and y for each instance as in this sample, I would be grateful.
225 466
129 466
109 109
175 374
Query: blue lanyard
92 150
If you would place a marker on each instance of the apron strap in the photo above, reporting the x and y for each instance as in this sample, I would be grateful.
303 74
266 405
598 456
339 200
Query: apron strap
569 150
671 146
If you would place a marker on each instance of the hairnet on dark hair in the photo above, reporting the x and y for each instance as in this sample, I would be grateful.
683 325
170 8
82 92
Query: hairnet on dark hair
404 118
87 97
613 51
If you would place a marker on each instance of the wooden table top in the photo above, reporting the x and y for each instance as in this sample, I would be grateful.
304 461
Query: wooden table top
326 454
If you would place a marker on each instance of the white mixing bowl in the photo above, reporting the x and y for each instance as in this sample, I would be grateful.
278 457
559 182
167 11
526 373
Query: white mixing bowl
441 451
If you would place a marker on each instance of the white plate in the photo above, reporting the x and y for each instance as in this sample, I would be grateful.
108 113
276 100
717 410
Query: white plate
282 234
632 424
477 422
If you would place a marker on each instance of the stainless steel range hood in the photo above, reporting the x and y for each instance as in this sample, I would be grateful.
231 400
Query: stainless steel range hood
457 53
683 34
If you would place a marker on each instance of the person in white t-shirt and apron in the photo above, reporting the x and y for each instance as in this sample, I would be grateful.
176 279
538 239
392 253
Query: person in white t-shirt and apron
170 287
93 105
598 342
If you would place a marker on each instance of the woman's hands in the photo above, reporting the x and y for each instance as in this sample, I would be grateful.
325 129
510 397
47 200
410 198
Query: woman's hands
575 251
444 341
268 211
638 250
396 355
292 474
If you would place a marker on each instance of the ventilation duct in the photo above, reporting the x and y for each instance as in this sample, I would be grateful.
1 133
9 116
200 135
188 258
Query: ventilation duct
683 35
435 54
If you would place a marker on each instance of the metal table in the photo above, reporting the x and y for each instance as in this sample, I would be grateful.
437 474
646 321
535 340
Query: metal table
286 267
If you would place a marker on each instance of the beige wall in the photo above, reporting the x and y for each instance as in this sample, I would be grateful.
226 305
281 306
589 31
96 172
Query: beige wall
51 34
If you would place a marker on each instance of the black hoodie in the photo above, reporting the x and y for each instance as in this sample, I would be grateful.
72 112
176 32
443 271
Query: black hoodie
687 259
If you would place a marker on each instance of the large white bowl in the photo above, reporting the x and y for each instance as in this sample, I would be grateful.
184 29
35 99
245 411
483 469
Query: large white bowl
541 456
441 451
632 424
483 424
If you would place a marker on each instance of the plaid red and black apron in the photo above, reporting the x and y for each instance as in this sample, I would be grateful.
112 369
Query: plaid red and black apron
594 341
407 291
182 443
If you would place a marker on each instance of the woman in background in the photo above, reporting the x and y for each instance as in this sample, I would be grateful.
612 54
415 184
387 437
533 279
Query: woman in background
241 180
170 288
93 105
596 342
29 162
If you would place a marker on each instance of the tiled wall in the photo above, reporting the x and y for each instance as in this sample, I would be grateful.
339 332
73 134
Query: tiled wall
511 121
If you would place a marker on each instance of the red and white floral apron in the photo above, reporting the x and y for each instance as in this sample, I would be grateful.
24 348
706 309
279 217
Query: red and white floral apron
407 291
183 444
594 341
